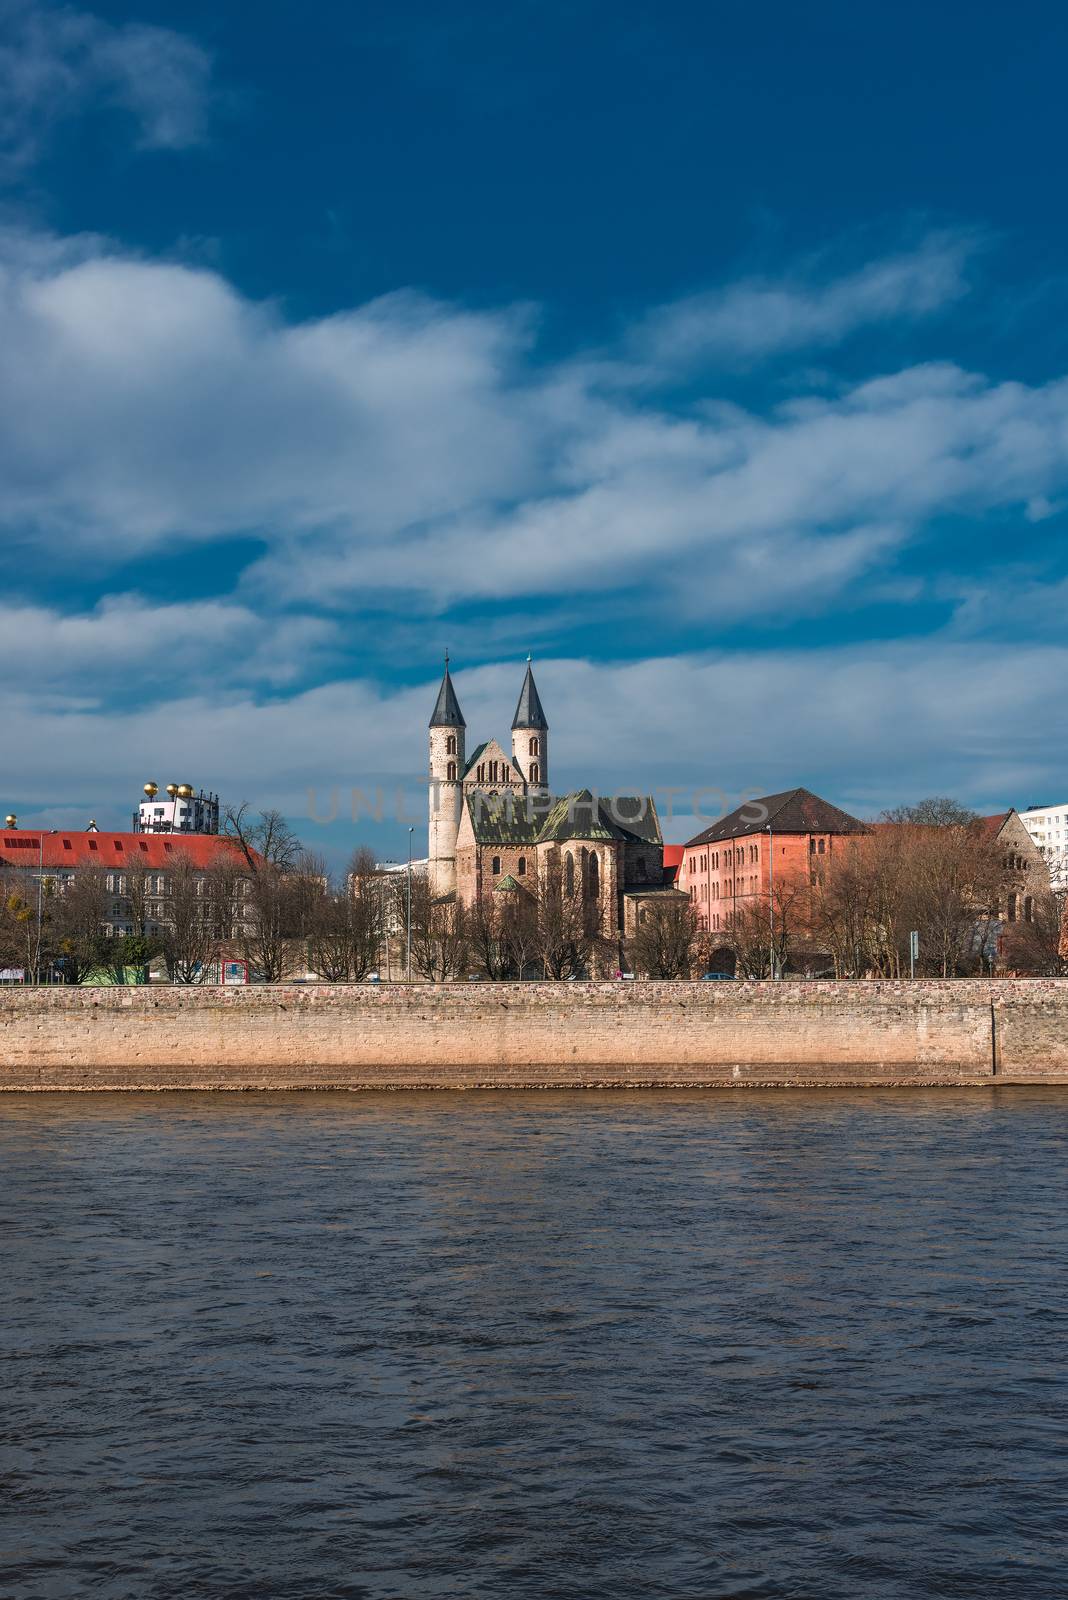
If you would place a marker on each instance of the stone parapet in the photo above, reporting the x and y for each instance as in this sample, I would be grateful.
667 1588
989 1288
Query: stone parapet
556 1035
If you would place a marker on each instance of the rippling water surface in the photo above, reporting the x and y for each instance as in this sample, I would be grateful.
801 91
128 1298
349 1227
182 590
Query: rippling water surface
724 1344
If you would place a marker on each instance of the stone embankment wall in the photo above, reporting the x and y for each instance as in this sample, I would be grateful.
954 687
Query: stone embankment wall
629 1035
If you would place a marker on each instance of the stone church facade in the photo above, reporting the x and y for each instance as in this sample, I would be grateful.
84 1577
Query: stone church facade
496 827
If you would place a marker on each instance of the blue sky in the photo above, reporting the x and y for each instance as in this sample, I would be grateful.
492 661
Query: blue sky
716 355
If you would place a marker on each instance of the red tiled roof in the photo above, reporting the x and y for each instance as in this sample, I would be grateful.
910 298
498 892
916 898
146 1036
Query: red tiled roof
673 854
26 847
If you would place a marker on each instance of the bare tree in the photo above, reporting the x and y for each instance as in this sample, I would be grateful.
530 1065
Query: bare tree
937 811
266 933
79 923
189 930
568 922
941 879
263 836
1039 947
346 928
440 944
226 884
667 938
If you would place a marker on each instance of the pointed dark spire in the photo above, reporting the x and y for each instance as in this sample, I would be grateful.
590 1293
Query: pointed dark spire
528 713
447 713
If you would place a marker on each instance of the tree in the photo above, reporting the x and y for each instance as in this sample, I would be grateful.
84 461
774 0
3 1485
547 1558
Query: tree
189 932
667 938
262 837
79 921
18 919
937 811
1039 947
940 879
265 936
568 922
347 925
439 933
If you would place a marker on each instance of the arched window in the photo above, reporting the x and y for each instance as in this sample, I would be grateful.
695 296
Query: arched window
496 866
1012 908
535 747
823 847
1029 909
594 877
481 773
521 866
450 745
450 772
569 873
535 772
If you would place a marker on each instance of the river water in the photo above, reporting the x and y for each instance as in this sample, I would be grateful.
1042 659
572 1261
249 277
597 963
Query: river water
737 1344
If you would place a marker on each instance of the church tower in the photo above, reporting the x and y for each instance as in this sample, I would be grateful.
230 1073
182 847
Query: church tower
530 735
447 730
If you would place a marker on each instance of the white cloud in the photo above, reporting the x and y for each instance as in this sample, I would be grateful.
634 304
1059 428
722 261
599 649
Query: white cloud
126 642
56 61
759 318
409 446
866 726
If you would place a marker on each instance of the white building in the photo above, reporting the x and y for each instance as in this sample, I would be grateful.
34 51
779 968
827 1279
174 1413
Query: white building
1048 827
179 810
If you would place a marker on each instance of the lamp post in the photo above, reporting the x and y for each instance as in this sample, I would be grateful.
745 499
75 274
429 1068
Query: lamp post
40 892
771 902
409 917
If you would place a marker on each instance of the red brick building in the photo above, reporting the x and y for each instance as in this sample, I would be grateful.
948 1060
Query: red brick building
771 841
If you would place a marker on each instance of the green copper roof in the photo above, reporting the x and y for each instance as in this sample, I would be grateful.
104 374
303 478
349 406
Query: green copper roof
536 818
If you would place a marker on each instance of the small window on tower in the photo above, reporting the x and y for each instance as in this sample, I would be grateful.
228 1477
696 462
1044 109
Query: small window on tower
450 745
450 772
535 772
535 749
496 866
521 867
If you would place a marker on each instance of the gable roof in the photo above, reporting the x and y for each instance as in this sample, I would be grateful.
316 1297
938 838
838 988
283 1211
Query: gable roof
528 713
125 852
537 818
447 713
792 811
480 750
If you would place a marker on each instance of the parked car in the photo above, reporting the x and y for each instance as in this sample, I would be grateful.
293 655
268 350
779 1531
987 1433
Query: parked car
717 977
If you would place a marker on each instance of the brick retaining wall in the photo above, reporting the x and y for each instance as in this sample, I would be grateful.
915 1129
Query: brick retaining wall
534 1035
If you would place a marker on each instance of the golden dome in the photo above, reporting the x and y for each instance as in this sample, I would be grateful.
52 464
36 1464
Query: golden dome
172 789
152 790
11 820
185 790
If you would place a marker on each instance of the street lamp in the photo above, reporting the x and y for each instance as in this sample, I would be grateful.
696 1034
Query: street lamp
771 902
410 832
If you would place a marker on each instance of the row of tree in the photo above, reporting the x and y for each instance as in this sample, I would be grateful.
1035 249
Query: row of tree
934 871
